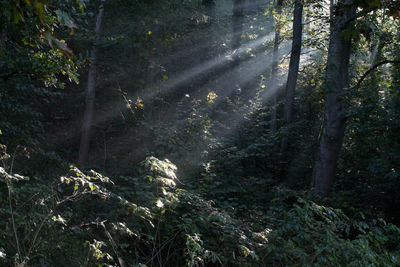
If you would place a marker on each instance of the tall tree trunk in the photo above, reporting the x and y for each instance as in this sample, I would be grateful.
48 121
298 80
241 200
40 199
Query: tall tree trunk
275 59
237 28
293 71
90 94
336 80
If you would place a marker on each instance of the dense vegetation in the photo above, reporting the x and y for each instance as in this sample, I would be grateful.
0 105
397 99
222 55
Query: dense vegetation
199 133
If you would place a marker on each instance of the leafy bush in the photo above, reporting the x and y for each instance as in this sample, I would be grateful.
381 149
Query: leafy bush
311 234
145 220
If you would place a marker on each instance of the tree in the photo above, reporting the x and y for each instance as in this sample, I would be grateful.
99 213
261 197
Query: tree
293 69
275 59
336 81
34 62
237 28
90 94
342 16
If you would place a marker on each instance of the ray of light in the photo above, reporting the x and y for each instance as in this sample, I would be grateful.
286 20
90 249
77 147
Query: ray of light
212 64
251 70
246 72
258 65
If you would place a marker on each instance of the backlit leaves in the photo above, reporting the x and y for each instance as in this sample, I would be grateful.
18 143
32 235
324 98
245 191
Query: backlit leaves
211 97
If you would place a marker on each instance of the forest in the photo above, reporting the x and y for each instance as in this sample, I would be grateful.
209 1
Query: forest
199 133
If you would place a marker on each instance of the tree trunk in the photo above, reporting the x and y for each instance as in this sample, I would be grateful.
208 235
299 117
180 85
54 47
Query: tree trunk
275 59
237 28
293 69
336 80
90 94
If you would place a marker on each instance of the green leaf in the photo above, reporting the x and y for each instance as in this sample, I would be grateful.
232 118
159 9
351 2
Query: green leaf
91 186
74 78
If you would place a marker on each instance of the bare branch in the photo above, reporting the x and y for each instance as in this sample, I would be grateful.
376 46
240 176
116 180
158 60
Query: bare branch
372 69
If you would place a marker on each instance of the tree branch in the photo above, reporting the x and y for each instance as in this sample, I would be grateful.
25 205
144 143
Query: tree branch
358 15
372 69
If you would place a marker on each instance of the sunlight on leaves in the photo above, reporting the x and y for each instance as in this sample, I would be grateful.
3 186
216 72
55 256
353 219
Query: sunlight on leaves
211 97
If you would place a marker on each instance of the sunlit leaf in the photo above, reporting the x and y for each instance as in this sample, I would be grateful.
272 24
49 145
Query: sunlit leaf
62 46
211 97
159 203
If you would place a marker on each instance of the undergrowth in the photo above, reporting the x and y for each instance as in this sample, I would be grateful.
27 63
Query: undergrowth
151 219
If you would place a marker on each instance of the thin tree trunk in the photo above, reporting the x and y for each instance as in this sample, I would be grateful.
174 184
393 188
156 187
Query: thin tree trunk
90 94
293 68
275 59
336 80
237 28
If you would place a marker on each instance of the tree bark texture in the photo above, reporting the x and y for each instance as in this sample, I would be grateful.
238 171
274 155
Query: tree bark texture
275 59
336 80
293 69
90 94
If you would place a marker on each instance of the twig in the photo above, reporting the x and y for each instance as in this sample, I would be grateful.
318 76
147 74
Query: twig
45 219
113 245
10 205
87 257
169 247
105 149
163 245
372 69
155 243
12 159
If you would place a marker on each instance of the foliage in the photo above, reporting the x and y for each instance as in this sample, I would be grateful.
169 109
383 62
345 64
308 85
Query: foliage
152 219
32 63
311 234
166 88
47 214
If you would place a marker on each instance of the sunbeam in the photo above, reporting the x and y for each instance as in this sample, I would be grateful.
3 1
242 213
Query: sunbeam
228 80
212 64
252 69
